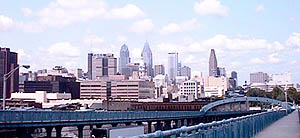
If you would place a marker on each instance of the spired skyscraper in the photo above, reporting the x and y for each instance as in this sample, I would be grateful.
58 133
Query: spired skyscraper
213 65
147 59
124 59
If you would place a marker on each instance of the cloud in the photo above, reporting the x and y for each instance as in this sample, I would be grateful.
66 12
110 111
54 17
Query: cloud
274 58
121 39
184 26
127 12
293 62
257 61
293 40
142 26
64 12
6 23
26 11
63 49
260 8
211 8
93 40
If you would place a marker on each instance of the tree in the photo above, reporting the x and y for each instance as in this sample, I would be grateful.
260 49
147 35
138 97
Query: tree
256 92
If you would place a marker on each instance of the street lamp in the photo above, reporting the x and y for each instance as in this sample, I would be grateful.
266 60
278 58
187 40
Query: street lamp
5 77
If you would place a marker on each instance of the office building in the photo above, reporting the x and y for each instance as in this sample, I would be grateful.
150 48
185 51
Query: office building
159 70
212 63
124 60
123 89
172 66
215 86
8 62
90 62
147 59
160 82
233 80
221 72
179 69
190 87
283 78
259 77
103 65
186 71
54 84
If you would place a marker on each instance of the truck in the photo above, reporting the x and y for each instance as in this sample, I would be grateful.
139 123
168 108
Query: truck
114 132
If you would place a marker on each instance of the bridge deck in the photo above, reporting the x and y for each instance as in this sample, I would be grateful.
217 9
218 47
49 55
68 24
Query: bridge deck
286 127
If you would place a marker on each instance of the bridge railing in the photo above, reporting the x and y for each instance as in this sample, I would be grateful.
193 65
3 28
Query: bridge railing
65 116
240 127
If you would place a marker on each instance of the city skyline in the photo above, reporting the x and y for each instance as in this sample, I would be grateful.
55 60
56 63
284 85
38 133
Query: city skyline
266 41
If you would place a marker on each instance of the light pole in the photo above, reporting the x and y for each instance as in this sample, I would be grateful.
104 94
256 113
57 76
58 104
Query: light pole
286 102
5 77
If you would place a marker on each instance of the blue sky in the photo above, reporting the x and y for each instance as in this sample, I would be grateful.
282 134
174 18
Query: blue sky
248 36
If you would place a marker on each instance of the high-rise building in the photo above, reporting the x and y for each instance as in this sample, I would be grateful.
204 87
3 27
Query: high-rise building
186 71
124 59
147 58
259 77
233 80
212 63
8 62
89 72
221 71
172 66
159 70
179 69
103 65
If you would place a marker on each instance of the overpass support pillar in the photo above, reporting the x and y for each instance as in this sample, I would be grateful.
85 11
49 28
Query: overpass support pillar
158 125
58 131
80 131
175 124
149 127
168 125
21 132
139 123
115 124
49 131
99 125
128 123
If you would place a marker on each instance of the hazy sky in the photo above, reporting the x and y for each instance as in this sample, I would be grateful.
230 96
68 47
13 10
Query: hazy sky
248 36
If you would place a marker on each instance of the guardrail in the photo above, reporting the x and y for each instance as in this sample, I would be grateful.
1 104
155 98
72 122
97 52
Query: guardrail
50 116
240 127
298 112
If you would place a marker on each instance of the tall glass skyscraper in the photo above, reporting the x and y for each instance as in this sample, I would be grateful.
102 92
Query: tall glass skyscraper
213 66
124 59
147 58
172 66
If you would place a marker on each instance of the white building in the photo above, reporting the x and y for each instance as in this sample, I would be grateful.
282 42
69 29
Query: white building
284 78
191 87
160 82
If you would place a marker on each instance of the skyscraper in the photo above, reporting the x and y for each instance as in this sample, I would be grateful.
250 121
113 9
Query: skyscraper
103 65
89 73
233 80
172 66
186 71
159 69
212 63
124 59
147 58
9 61
221 72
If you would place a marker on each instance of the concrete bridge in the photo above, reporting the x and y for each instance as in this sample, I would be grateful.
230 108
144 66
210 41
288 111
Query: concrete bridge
23 121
